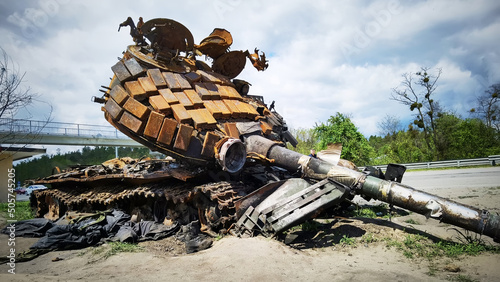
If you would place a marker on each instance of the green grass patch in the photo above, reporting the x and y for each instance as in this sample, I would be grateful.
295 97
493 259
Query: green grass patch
310 225
493 190
19 211
418 246
112 248
393 243
454 250
347 241
365 212
433 269
381 210
368 238
462 278
307 226
468 196
119 247
97 250
412 221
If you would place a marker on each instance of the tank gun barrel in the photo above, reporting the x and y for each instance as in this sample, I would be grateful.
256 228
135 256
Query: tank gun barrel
470 218
447 211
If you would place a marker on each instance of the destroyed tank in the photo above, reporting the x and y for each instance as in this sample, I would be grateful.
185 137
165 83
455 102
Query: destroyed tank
163 97
227 164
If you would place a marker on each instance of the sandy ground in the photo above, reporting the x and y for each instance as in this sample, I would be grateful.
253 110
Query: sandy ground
314 256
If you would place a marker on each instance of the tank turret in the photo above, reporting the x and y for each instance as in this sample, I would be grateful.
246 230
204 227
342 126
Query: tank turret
163 97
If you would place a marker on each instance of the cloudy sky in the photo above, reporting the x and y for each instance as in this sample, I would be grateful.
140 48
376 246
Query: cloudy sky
324 56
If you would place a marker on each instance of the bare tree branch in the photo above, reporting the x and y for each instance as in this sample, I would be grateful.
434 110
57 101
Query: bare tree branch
390 125
488 106
13 98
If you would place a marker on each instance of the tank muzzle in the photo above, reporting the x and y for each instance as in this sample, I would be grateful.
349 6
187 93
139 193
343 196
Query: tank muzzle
232 155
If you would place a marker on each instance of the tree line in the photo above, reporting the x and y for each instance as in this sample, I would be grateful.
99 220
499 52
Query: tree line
456 138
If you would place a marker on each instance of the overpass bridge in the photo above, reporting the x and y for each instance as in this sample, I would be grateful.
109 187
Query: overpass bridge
23 131
18 133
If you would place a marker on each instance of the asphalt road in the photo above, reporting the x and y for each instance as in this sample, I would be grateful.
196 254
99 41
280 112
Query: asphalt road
484 177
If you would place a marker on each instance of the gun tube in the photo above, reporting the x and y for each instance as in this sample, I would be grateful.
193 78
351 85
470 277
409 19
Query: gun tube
447 211
470 218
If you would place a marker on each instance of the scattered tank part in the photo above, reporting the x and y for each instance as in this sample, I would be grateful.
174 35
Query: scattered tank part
222 143
293 201
216 44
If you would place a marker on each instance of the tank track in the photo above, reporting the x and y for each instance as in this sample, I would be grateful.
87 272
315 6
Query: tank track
174 200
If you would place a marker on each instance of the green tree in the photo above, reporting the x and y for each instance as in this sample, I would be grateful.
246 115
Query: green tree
469 138
339 128
306 139
417 92
401 147
446 125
